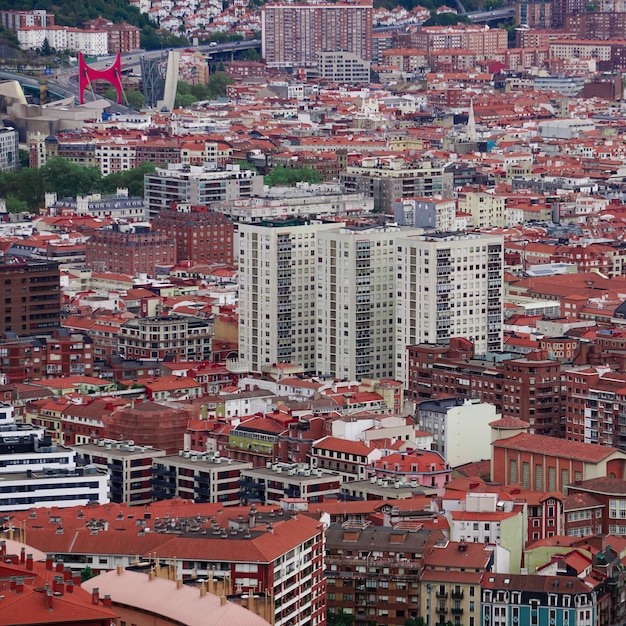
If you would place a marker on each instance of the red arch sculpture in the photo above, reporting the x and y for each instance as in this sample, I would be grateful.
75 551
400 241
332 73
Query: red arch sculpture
112 75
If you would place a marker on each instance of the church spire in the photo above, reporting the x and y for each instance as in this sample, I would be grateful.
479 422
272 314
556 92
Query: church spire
472 135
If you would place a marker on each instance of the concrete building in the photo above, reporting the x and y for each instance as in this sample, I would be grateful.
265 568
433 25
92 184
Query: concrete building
155 337
9 149
294 34
386 180
276 481
437 213
461 432
36 473
199 477
32 296
452 286
129 467
277 292
343 68
118 206
198 185
356 300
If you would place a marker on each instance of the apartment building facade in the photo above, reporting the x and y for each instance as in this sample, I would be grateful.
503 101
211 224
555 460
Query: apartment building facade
355 307
292 35
450 285
32 296
277 292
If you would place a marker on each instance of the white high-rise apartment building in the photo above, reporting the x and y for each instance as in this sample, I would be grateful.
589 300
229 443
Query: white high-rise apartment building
449 285
356 301
277 286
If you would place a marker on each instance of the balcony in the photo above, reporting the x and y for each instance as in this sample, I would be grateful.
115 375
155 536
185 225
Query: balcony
457 594
442 610
456 610
442 594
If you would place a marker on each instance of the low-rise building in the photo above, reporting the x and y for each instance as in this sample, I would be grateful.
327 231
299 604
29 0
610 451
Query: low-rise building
199 477
269 485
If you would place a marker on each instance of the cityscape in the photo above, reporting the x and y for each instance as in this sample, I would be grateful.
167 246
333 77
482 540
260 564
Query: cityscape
313 313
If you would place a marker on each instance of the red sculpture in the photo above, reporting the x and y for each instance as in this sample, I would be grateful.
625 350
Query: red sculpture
112 75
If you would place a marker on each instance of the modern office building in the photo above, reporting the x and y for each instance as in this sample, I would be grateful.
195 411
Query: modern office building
277 292
9 149
450 285
31 296
356 301
343 68
294 33
198 185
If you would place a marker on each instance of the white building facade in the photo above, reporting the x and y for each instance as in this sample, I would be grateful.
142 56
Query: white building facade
277 292
449 285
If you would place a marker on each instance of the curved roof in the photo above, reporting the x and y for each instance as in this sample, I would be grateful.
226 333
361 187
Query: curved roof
163 597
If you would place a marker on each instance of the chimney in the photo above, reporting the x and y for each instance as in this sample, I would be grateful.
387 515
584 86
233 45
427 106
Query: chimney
49 595
49 562
60 567
223 600
70 586
179 583
29 562
151 575
12 583
67 573
95 596
19 585
56 584
251 602
22 556
77 579
106 601
202 590
3 548
120 570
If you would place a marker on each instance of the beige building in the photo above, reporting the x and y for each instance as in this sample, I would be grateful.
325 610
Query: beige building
486 209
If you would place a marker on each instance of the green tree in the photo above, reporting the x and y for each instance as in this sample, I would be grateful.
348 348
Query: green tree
46 50
15 205
285 176
24 157
68 179
216 87
135 99
415 621
86 573
184 100
129 179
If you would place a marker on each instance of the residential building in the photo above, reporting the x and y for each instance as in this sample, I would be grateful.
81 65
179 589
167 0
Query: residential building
121 37
14 20
128 466
9 149
473 38
37 357
199 477
256 440
353 460
294 34
278 292
450 581
198 185
32 297
460 427
89 42
421 468
118 206
253 550
437 213
373 572
134 594
154 338
356 302
458 294
134 252
390 179
531 598
276 481
343 68
203 236
35 473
